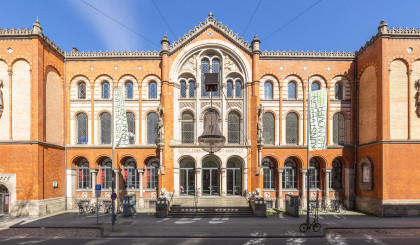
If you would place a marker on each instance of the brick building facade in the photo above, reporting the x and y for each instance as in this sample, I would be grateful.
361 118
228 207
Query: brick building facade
55 133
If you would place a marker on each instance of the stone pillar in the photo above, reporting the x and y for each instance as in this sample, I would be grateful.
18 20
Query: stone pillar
140 203
223 187
117 181
280 188
198 182
349 191
10 73
93 173
71 188
409 104
303 189
327 172
245 181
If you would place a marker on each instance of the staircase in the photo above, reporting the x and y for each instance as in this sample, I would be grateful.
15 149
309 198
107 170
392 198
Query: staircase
210 207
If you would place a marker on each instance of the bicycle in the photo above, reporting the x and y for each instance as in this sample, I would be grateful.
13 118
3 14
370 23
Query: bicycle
83 207
314 225
324 207
337 207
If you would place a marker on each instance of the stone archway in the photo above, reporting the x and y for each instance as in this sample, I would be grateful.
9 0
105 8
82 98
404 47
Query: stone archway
4 199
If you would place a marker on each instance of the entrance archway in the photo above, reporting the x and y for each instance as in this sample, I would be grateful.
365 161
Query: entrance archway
187 177
234 177
4 200
211 177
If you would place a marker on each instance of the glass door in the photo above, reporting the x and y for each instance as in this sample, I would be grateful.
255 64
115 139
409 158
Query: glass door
187 181
234 181
211 181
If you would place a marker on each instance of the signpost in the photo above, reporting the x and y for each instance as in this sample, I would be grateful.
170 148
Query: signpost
97 194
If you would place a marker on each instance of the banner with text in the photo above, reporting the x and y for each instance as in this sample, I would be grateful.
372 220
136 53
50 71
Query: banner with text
120 120
318 120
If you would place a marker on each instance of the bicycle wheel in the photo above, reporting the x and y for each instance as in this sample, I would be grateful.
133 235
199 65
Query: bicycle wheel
303 227
316 226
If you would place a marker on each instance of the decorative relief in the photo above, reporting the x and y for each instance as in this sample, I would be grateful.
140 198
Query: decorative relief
230 65
417 97
365 174
215 104
236 104
190 65
187 104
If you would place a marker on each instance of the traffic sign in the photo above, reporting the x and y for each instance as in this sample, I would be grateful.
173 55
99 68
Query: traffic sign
98 190
114 196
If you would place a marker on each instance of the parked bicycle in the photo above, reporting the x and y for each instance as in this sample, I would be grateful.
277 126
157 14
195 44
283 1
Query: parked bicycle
83 207
314 225
337 206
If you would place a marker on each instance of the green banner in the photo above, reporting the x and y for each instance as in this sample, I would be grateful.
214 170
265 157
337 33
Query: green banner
318 120
120 120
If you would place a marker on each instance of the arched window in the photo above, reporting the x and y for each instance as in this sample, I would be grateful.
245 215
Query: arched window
191 89
313 174
105 90
268 90
187 128
292 128
233 128
131 124
152 90
215 68
129 90
82 128
338 129
291 90
84 175
290 174
131 179
152 173
105 120
187 177
106 174
315 86
238 89
183 89
268 128
336 174
81 90
205 68
229 89
268 173
338 91
152 128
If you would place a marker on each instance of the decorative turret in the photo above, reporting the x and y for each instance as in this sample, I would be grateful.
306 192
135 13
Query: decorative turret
165 45
383 27
255 44
37 28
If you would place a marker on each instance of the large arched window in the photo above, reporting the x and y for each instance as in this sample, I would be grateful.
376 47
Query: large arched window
187 128
291 90
131 125
229 89
129 90
205 68
233 128
313 174
152 128
105 120
268 90
268 173
106 174
191 89
215 68
336 174
81 90
183 89
105 90
268 128
238 89
338 91
315 86
292 128
338 129
84 175
152 173
130 174
290 174
82 128
152 90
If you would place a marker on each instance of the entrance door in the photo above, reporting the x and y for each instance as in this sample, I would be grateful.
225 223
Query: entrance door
234 177
187 177
4 199
211 181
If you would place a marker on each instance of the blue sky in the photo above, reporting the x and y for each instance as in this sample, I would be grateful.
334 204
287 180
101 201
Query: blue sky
337 25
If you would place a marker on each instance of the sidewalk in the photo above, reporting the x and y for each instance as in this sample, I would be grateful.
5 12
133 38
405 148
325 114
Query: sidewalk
278 225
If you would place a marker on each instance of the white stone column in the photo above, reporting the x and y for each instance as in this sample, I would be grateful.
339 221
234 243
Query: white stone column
280 188
71 188
117 186
223 187
198 186
327 172
245 181
303 189
93 173
140 203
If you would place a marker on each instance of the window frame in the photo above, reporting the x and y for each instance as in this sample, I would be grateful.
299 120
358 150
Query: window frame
127 90
231 132
341 92
130 168
268 167
290 165
106 172
339 129
266 90
86 140
269 131
81 96
131 138
105 95
104 133
149 87
152 175
289 128
184 123
289 90
85 181
314 174
150 134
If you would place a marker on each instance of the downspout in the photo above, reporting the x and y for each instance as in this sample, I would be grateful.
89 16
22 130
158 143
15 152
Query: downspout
355 131
65 136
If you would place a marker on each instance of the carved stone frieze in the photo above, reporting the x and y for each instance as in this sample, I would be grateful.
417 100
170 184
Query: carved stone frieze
190 65
183 105
230 65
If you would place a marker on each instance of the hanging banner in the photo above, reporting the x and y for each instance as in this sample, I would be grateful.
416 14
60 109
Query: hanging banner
318 120
120 120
